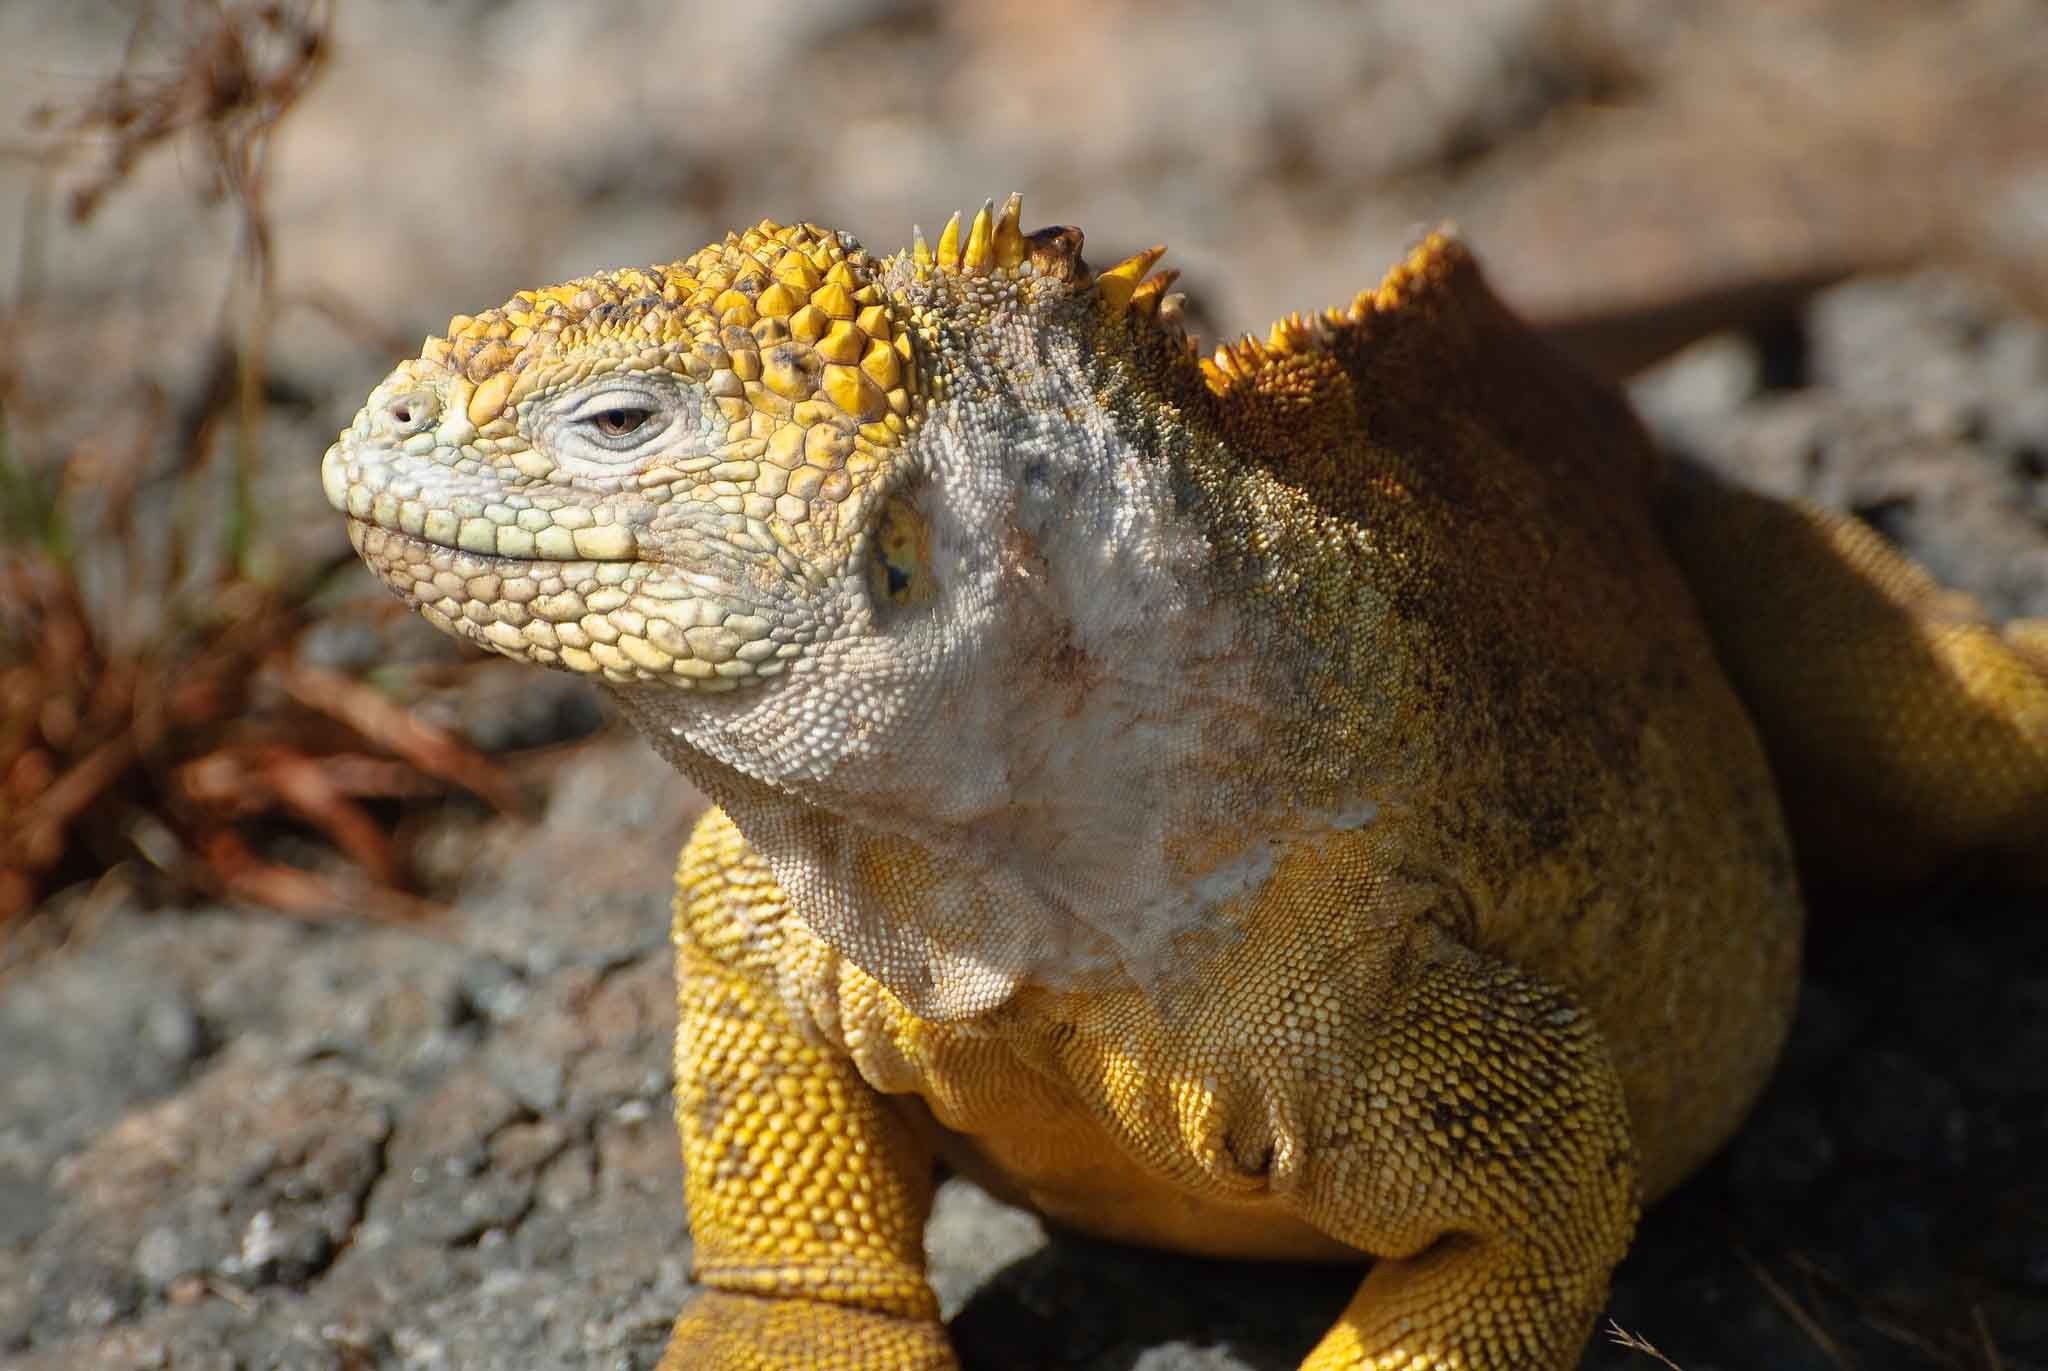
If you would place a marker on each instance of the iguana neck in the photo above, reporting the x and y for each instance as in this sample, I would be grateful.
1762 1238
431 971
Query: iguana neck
1085 804
1071 770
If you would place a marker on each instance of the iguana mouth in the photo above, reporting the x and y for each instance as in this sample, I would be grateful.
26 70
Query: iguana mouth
628 621
471 514
468 563
539 576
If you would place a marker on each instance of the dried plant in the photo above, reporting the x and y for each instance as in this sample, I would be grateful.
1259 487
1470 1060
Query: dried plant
180 741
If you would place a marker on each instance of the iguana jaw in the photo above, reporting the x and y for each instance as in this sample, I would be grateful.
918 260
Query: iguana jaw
566 614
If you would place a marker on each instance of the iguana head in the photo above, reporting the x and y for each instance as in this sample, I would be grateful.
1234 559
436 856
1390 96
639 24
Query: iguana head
912 541
712 474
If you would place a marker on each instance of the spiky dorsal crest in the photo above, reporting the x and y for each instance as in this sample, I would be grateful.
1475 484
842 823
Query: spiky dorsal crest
1429 270
1117 285
994 245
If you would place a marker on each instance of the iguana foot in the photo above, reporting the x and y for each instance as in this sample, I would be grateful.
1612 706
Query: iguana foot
719 1331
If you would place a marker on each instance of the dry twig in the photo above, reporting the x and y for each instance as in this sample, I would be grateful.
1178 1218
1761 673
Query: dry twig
177 742
1621 1337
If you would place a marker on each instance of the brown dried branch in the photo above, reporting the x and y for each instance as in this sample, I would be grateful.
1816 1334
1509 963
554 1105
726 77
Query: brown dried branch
181 743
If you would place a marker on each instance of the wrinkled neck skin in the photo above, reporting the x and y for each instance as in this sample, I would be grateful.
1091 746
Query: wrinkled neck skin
1057 771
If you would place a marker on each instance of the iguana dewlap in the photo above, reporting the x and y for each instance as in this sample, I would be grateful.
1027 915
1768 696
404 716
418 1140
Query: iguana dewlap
1301 801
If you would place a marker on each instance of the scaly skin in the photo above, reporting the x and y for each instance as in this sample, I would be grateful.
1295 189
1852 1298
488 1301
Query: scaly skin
1285 803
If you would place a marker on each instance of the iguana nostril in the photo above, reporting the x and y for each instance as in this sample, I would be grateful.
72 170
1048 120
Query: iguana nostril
411 412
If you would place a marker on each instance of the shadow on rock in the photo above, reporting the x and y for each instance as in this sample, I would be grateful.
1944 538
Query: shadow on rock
1080 1303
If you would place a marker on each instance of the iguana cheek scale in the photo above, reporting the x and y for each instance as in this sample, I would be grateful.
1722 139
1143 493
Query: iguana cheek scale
1302 800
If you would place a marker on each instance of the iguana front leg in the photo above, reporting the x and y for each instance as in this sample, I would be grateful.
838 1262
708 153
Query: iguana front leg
808 1194
1450 1114
1481 1149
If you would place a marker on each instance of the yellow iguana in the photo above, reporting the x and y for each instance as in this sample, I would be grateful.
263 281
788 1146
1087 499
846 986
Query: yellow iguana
1310 800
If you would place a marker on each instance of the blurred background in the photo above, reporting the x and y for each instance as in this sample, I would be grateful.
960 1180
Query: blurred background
221 221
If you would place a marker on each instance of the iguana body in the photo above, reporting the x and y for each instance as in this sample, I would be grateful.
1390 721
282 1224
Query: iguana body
1281 804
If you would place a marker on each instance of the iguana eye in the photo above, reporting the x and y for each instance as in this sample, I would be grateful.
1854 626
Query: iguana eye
899 564
617 423
611 427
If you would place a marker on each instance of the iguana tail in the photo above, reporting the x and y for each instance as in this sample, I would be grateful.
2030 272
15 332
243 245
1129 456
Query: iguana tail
1907 731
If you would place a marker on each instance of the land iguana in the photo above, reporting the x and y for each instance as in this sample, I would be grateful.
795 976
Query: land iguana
1310 800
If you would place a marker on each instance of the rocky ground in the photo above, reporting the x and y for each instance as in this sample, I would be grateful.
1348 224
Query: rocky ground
233 1141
